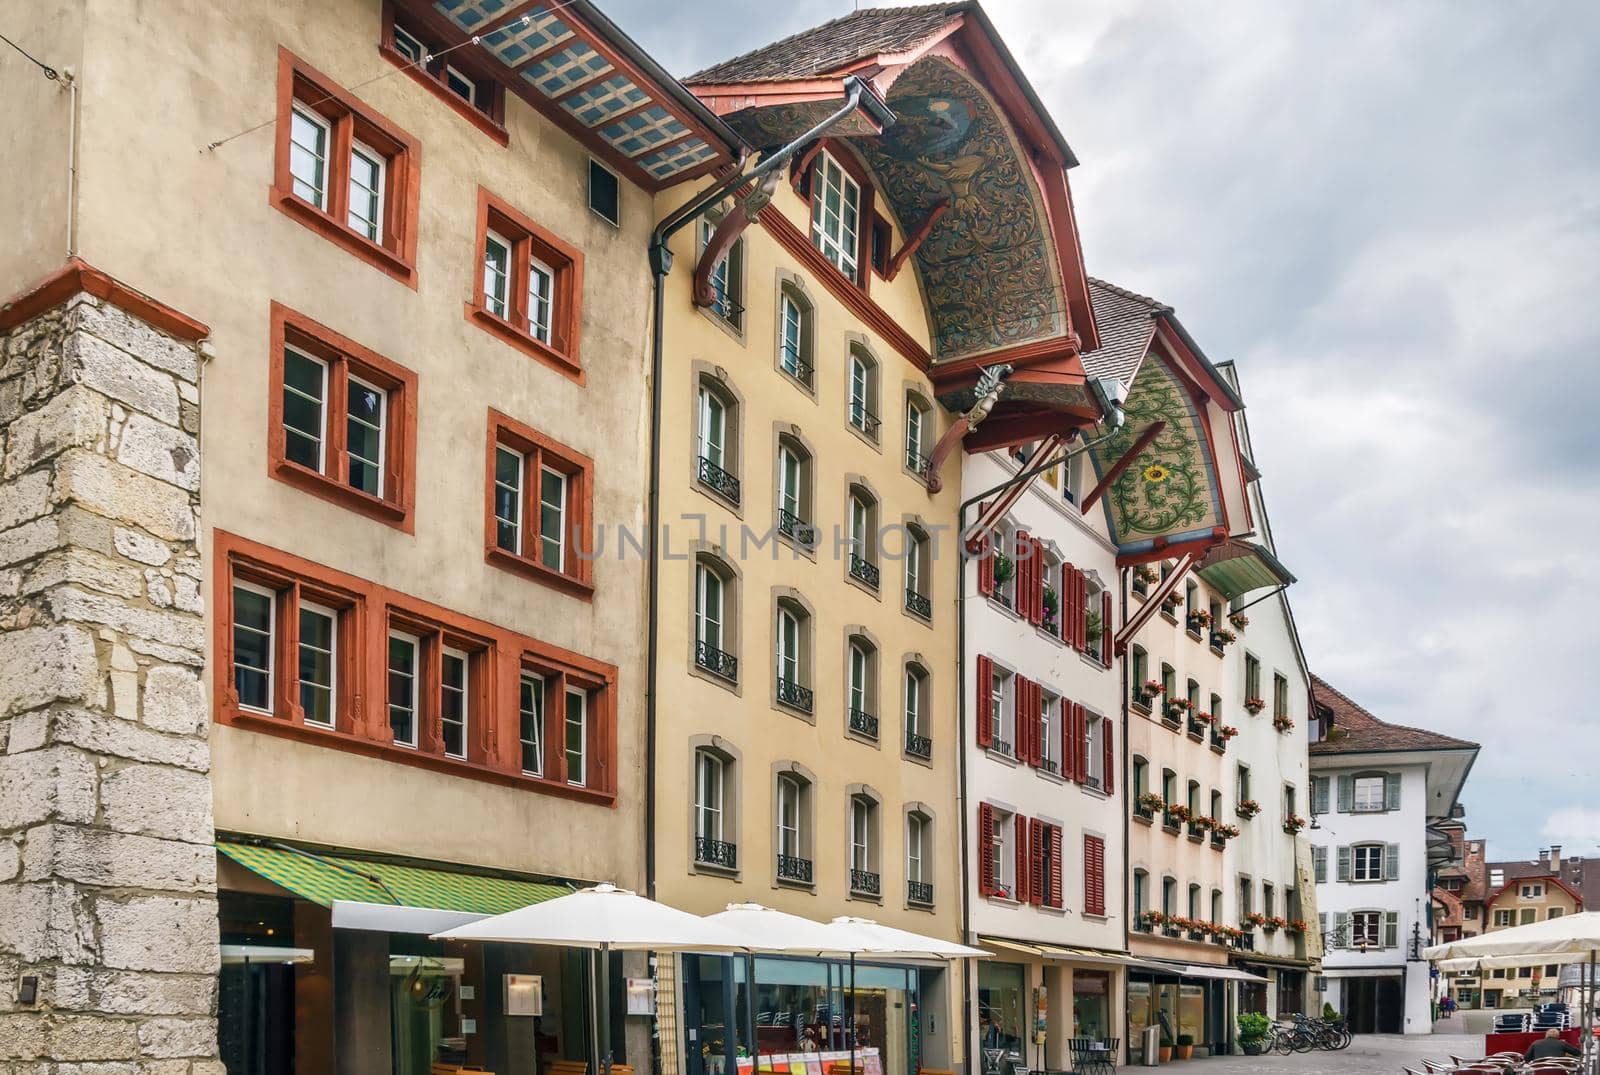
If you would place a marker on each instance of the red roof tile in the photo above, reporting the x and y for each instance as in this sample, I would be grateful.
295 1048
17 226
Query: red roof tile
1357 731
834 45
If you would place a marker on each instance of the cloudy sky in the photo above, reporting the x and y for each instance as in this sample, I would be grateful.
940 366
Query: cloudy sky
1389 215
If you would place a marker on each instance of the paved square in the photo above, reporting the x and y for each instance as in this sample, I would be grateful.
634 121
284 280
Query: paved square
1368 1053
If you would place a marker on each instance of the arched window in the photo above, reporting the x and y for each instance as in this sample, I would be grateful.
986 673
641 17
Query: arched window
715 634
863 536
795 334
1138 677
791 635
919 435
1194 901
1169 896
1141 896
918 741
919 858
794 492
1141 777
792 809
864 844
862 403
716 440
918 602
715 843
1216 905
861 687
727 278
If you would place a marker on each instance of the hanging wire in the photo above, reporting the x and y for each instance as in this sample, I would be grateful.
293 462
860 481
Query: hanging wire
426 59
49 72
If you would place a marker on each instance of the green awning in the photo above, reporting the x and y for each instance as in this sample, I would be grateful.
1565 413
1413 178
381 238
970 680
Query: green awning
323 878
1238 567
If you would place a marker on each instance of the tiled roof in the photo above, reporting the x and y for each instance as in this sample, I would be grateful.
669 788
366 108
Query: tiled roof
835 44
1357 731
1126 321
1582 874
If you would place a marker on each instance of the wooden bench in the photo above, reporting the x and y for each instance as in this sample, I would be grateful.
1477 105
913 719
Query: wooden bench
458 1069
580 1067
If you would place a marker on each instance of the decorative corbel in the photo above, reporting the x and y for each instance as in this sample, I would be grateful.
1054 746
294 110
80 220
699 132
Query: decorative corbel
726 234
916 239
991 383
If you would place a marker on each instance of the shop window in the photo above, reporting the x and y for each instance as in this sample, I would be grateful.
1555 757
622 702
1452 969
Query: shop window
717 440
344 171
715 637
530 290
477 97
291 631
1002 1014
343 422
727 279
541 503
862 404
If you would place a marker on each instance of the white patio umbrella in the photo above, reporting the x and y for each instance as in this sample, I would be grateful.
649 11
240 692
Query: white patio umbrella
1568 939
603 919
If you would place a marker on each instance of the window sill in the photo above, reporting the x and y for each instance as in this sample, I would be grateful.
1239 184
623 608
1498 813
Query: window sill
863 738
797 886
871 591
865 897
808 551
1140 819
377 255
1169 617
478 119
697 671
795 711
1004 759
1097 663
711 869
230 714
391 513
926 621
1003 607
733 330
1046 633
1052 777
809 389
560 361
864 437
537 572
1094 790
710 492
1140 708
1004 901
926 763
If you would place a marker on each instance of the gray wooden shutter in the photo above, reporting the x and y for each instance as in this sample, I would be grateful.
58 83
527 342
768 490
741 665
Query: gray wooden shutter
1347 793
1391 791
1319 863
1341 930
1322 926
1319 795
1391 929
1344 864
1391 862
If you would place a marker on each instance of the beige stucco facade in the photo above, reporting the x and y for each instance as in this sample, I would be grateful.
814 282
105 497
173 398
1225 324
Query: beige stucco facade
740 719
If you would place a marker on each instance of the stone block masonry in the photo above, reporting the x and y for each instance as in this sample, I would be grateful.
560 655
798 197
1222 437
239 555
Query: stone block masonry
107 871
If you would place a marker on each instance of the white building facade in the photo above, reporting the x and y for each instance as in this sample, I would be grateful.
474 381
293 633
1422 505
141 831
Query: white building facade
1375 789
1042 770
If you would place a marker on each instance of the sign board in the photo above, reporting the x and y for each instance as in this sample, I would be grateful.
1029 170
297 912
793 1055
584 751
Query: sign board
524 994
641 996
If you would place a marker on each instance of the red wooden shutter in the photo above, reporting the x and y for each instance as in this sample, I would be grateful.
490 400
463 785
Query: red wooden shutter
985 718
1094 875
1022 859
985 849
1105 628
1108 754
1069 633
1055 866
1035 727
1038 583
1079 720
986 561
1081 581
1023 571
1037 892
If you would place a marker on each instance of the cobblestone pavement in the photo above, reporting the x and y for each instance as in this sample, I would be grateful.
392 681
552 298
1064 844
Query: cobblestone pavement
1382 1054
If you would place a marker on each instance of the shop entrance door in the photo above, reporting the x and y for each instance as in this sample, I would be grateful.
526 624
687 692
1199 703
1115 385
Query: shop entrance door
1374 1005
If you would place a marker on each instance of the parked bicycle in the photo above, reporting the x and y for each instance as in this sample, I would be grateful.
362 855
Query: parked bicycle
1305 1034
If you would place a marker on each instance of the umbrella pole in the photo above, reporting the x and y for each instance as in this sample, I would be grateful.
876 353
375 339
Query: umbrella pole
594 1010
1588 1016
750 1008
850 1028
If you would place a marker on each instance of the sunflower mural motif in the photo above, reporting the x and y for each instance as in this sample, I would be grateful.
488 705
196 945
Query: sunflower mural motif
1171 489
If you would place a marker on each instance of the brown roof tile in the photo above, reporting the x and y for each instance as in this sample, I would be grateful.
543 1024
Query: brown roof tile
1126 321
834 45
1357 731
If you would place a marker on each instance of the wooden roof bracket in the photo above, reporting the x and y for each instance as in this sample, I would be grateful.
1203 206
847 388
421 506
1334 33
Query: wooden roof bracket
1150 434
1152 602
916 239
991 382
727 233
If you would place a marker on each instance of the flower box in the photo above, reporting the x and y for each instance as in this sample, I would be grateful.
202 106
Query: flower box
1247 808
1282 724
1293 824
1239 620
1254 705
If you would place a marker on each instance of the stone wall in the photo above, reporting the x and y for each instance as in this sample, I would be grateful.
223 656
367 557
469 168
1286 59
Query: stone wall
107 872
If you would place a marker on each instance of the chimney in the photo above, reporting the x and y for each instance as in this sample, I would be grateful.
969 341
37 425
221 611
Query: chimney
1555 859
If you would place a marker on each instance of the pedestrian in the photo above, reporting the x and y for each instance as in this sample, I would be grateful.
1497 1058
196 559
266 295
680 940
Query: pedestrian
1549 1046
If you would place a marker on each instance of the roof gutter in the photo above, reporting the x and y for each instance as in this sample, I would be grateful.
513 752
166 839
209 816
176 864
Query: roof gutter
858 95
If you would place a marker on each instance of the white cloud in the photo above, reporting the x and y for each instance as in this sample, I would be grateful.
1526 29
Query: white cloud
1575 828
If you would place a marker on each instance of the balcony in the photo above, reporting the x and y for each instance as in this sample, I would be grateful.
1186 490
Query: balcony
864 882
794 695
717 480
724 306
1050 765
916 462
918 605
794 868
863 419
919 893
796 529
862 723
795 366
722 854
1001 746
919 746
713 660
864 571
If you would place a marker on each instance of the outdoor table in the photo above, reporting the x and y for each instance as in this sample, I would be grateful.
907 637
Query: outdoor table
1090 1054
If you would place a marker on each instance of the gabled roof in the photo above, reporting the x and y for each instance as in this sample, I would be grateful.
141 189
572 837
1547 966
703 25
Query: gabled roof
1548 879
835 45
1363 732
1127 323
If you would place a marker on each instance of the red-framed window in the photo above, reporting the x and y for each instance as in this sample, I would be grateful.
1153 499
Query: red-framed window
1044 852
342 420
325 657
344 171
540 506
456 78
528 287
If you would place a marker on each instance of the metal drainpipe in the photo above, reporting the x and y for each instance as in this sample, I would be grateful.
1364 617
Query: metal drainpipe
1027 472
858 96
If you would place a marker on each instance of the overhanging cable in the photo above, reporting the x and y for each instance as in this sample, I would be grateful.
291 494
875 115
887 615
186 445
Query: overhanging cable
49 72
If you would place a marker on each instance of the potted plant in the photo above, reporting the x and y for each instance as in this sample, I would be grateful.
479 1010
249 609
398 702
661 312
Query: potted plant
1166 1048
1151 803
1253 1028
1199 619
1297 925
1152 919
1331 1014
1239 620
1248 808
1092 627
1255 918
1170 605
1203 717
1276 922
1185 1046
1151 688
1254 705
1227 731
1293 824
1227 832
1282 723
1179 812
1222 637
1004 568
1052 607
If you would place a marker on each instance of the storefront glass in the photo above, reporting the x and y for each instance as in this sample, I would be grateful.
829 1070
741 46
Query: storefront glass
1141 1010
1001 1014
1091 1004
1191 1012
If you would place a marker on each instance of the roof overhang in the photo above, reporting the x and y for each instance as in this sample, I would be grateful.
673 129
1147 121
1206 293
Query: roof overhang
1446 769
579 70
1235 567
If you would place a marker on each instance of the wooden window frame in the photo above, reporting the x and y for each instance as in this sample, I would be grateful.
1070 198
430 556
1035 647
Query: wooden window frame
540 452
529 243
490 119
804 176
343 358
349 121
367 613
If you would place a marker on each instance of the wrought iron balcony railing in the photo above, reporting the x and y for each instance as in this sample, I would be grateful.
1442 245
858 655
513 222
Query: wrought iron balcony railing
795 528
718 663
864 882
795 366
863 419
723 853
719 481
918 605
916 462
920 892
919 746
794 868
794 695
864 570
863 723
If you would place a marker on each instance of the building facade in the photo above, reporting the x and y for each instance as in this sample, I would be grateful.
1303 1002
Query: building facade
312 479
1377 790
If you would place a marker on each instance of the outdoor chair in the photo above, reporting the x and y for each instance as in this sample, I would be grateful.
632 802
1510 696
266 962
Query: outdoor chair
1085 1055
